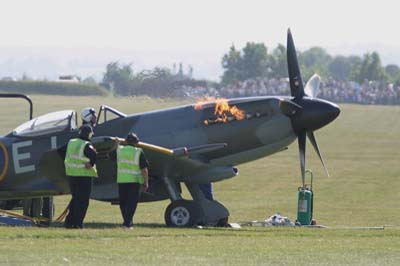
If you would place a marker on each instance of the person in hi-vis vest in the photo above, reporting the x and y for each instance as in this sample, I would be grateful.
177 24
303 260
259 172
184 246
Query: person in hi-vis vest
80 168
132 173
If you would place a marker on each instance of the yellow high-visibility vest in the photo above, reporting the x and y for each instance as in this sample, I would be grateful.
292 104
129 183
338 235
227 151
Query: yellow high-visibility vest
128 168
75 159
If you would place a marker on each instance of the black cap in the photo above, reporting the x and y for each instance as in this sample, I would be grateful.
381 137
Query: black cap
85 132
132 138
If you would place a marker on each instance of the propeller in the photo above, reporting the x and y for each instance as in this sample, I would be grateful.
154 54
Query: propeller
306 112
296 83
312 86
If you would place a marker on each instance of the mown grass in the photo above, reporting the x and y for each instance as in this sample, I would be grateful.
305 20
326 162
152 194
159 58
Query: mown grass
165 246
361 149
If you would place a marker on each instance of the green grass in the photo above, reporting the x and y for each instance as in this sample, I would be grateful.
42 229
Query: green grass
165 246
361 149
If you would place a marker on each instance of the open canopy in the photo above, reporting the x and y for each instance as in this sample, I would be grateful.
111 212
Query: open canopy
47 124
61 121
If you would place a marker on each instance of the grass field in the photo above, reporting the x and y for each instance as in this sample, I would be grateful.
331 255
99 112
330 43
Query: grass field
362 152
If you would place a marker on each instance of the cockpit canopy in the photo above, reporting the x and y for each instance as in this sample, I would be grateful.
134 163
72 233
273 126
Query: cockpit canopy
50 123
61 121
108 113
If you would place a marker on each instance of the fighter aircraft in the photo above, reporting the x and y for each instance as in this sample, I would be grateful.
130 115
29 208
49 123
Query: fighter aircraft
190 145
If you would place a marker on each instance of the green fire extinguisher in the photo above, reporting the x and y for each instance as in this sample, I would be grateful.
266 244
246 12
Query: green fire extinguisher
305 202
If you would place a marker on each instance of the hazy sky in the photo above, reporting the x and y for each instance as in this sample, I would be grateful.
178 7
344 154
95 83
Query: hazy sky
200 26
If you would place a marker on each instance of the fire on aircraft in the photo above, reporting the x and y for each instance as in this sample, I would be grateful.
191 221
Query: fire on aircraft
223 112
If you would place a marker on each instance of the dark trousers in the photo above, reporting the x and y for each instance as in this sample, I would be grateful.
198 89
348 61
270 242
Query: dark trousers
129 194
207 190
81 187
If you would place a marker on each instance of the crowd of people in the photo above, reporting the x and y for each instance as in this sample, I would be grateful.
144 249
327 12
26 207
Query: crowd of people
369 92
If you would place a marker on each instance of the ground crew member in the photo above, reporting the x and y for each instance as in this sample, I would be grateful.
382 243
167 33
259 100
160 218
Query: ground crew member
79 163
207 190
132 172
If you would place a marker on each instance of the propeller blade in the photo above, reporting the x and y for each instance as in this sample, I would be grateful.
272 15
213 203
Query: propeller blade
296 83
311 137
312 87
302 152
289 108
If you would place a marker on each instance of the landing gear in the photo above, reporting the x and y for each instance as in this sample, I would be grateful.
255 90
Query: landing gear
9 204
40 207
183 213
48 210
186 213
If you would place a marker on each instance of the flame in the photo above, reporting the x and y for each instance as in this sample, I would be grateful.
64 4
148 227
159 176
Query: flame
223 112
200 103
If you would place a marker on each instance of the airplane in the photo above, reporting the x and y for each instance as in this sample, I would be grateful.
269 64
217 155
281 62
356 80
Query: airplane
192 145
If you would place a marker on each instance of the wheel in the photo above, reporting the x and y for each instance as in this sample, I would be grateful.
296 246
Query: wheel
183 213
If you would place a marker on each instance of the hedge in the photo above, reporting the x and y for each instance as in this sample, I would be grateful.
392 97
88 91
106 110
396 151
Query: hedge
52 88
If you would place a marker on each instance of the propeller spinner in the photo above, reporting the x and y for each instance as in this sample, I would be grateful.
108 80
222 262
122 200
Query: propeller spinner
306 113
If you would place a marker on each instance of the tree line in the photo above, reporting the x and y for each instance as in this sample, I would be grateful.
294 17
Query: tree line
251 62
255 61
120 79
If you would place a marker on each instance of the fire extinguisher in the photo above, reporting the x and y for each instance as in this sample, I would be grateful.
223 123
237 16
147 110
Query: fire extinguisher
305 202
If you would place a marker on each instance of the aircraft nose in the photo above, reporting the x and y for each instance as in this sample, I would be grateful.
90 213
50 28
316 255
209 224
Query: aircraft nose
332 112
316 113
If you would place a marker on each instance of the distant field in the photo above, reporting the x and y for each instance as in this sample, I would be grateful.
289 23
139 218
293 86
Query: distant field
362 152
52 88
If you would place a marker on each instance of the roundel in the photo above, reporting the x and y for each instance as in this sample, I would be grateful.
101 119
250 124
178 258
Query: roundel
3 161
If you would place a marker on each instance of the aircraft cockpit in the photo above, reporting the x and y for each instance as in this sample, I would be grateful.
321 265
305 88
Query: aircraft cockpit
61 121
108 113
51 123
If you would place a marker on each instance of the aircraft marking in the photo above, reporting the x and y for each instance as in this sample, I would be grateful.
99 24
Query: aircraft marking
17 157
3 161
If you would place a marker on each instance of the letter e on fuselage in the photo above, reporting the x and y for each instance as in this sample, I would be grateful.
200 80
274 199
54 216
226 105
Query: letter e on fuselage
20 156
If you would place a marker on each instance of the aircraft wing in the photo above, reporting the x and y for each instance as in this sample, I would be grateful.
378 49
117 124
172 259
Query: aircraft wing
51 166
182 164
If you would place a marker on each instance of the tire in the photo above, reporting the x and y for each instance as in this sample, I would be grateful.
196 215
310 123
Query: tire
183 213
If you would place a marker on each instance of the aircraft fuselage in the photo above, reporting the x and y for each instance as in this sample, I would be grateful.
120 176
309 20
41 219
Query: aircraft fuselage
264 130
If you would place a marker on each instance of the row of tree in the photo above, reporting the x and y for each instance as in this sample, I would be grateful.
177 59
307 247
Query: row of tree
254 61
120 79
